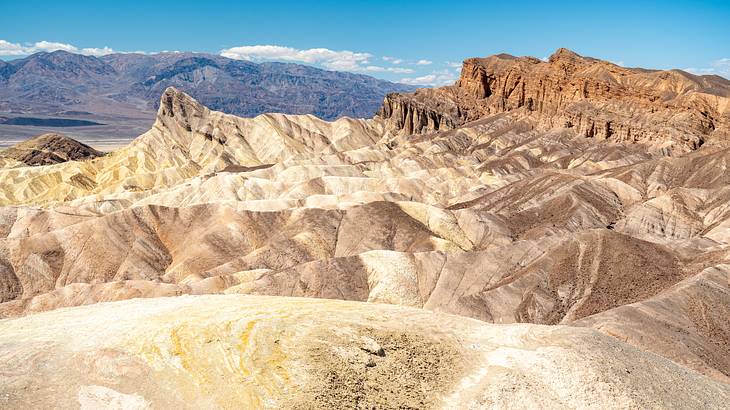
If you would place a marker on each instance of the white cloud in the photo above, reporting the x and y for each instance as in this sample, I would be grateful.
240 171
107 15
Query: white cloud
333 60
393 60
98 51
11 49
719 67
51 46
435 79
454 66
14 49
397 70
397 61
423 80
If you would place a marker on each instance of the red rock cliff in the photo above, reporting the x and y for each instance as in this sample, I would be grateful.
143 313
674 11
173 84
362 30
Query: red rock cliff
596 98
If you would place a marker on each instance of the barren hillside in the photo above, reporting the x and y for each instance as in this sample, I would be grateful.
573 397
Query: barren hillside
570 192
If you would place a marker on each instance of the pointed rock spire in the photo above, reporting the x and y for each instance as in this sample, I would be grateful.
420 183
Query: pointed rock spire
181 108
564 54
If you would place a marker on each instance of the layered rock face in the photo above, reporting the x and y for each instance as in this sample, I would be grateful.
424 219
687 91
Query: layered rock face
597 99
421 112
499 216
48 149
187 139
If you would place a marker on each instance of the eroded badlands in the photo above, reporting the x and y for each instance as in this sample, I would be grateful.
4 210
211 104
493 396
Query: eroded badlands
572 193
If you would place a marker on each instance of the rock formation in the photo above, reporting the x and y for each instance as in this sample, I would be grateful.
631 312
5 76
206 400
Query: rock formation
596 98
268 352
468 200
48 149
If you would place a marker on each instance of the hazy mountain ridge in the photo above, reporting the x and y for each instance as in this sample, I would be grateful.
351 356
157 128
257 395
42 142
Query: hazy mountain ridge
50 83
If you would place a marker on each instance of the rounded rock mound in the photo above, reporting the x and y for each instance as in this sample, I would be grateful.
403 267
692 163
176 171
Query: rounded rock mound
234 351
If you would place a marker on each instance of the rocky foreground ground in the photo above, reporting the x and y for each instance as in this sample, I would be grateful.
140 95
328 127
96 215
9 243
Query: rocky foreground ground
572 193
237 351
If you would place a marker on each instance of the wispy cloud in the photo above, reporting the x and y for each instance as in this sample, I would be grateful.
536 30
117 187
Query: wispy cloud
718 67
392 60
397 61
16 49
11 49
397 70
338 60
422 80
333 60
454 66
343 60
434 79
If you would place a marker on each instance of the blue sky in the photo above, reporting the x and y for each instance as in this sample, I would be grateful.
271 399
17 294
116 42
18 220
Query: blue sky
409 41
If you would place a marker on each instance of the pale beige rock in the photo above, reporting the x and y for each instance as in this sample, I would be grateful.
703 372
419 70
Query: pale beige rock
232 351
508 217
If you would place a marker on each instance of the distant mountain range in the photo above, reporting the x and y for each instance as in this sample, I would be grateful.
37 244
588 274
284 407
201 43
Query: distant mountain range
129 85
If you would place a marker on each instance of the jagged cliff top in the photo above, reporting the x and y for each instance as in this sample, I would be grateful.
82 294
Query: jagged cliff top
671 109
574 65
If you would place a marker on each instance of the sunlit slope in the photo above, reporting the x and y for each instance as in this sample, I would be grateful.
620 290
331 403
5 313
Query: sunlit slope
271 352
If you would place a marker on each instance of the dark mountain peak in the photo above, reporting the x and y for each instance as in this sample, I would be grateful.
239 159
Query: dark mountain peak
185 65
6 70
62 63
60 56
63 54
195 61
50 149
